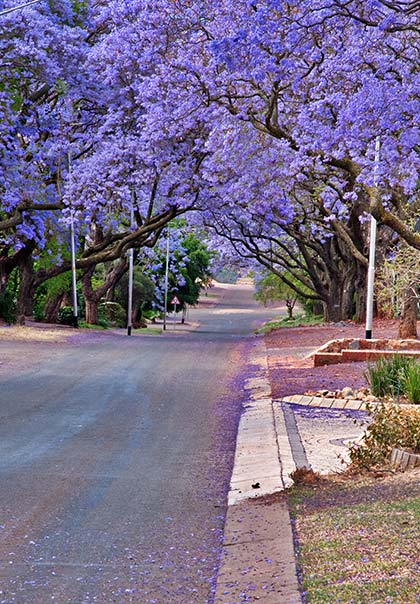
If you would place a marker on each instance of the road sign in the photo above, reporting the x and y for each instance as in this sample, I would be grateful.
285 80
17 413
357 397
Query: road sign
175 301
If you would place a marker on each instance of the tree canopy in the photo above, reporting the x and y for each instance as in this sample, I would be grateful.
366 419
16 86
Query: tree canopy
258 120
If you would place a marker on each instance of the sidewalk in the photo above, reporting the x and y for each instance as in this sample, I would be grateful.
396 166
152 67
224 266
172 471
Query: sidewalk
275 437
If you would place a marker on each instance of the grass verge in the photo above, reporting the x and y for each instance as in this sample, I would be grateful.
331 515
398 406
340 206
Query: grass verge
358 539
85 325
151 331
298 321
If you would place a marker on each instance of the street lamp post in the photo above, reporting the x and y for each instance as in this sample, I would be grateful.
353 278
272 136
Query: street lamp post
130 273
166 278
372 248
73 260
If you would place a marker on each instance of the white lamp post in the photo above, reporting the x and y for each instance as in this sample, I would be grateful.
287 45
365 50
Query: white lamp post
372 249
73 259
130 273
166 278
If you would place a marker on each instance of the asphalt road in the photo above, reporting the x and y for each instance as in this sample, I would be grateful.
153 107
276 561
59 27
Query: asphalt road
115 460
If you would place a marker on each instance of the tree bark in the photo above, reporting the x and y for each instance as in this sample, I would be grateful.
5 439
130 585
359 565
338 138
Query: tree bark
93 296
361 294
8 262
338 306
408 321
290 304
51 308
92 310
26 287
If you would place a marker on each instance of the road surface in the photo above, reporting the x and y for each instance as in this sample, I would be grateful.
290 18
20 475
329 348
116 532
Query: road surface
115 459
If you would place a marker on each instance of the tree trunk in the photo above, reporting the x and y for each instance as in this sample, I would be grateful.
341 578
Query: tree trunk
332 312
93 296
26 287
361 294
317 307
408 321
4 276
91 311
339 305
9 262
51 308
290 304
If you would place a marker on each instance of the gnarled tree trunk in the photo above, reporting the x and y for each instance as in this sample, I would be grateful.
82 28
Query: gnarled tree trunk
408 320
361 294
338 306
26 288
51 308
91 310
93 296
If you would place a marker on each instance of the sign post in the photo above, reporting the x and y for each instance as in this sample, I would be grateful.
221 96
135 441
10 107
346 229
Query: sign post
166 279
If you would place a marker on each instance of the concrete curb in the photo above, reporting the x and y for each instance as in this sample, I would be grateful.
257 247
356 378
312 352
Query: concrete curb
258 559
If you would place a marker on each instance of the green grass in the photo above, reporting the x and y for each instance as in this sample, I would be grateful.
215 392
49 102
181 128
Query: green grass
90 325
151 331
298 321
395 376
358 541
411 385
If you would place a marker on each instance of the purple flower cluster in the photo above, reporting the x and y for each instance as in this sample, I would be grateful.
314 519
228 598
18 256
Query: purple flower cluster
261 116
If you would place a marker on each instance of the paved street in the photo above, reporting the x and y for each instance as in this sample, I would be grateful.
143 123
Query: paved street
115 460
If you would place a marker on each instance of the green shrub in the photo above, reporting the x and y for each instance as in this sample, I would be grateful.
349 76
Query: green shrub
388 376
391 426
38 309
112 313
91 326
8 308
65 315
150 314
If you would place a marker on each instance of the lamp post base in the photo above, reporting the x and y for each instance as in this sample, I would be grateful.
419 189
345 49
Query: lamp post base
368 334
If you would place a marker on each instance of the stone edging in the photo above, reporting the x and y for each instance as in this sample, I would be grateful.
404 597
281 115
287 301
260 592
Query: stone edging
402 460
330 403
335 403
